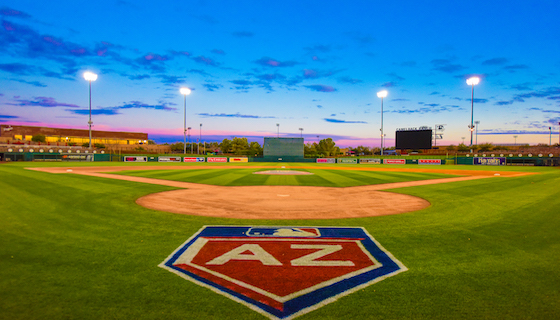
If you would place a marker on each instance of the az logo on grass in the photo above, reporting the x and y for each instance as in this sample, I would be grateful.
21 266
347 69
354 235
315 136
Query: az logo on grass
283 272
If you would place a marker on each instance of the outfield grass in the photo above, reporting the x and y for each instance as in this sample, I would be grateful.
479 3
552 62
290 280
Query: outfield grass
320 177
78 247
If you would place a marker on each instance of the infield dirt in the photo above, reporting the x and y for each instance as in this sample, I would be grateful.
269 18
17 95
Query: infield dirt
281 202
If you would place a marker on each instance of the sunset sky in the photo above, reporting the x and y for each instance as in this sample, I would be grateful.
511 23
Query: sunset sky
315 65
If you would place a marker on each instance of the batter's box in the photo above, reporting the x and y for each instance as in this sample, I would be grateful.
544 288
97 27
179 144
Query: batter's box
283 272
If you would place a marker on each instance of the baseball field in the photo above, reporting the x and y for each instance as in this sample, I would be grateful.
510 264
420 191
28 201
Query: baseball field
84 240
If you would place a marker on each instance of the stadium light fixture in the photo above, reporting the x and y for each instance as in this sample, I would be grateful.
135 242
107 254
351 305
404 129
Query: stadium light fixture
278 134
189 132
301 130
472 81
476 134
90 77
185 92
199 138
382 94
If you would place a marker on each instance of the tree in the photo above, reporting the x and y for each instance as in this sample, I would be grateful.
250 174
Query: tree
361 150
99 145
225 145
450 147
310 149
463 147
151 142
178 146
239 146
486 147
328 147
255 149
39 138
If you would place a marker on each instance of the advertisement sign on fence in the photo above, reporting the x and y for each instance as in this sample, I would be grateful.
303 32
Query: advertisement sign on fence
169 159
217 159
429 161
135 159
241 159
347 160
76 157
394 161
490 161
193 159
326 160
370 161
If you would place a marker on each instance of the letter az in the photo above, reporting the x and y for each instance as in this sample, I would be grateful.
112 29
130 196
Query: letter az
259 254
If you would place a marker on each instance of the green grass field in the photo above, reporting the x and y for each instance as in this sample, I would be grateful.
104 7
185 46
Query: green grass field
78 247
245 177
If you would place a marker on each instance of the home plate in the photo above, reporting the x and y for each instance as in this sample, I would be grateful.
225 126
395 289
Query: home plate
283 195
496 174
69 170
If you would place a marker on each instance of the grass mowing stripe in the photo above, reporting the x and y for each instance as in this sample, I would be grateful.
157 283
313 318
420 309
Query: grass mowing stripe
78 247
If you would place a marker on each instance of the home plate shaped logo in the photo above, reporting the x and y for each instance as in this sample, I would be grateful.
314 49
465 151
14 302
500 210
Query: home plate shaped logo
283 272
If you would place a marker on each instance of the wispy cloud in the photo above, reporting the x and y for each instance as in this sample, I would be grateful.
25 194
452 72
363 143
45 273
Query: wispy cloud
432 108
349 80
206 61
495 62
212 86
233 115
270 62
218 51
342 121
549 93
7 117
321 88
242 34
33 83
446 65
45 102
389 84
115 110
9 12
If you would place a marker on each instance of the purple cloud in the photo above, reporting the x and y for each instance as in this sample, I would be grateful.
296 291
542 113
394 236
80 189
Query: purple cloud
140 105
269 62
206 61
495 62
235 115
349 80
218 51
45 102
342 121
321 88
9 12
389 84
445 65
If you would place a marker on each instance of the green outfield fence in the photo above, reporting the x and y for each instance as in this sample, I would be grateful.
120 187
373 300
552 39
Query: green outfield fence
445 160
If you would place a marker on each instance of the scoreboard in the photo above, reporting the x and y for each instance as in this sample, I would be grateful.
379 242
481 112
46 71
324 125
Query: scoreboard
413 139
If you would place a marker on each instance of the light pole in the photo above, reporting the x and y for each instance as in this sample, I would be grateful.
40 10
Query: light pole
515 140
477 123
189 133
550 136
199 137
463 139
382 94
472 81
90 76
185 92
278 134
301 130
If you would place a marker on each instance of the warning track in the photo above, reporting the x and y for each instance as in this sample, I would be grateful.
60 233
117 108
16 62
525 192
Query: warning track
280 202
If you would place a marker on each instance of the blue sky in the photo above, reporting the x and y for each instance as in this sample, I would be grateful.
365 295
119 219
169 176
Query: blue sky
315 65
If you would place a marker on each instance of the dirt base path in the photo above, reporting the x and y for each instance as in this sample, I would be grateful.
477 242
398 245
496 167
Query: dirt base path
280 202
